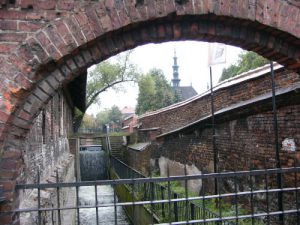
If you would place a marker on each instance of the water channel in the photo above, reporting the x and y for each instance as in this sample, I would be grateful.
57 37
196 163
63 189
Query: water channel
93 166
106 215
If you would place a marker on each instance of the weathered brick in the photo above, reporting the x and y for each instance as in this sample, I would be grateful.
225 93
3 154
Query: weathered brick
23 123
38 50
7 47
12 37
95 52
47 5
75 29
9 25
85 26
14 154
24 115
94 21
66 35
41 94
30 26
56 40
46 87
47 45
53 82
65 5
10 164
6 219
24 4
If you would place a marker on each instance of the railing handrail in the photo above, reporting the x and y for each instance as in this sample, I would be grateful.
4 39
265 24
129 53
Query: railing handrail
205 210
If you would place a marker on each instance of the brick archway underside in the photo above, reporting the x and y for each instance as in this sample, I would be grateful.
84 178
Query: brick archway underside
64 48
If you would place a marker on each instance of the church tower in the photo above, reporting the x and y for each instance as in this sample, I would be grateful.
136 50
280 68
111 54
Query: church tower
175 80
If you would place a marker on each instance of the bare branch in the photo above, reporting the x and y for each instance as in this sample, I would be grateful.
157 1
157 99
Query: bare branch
95 95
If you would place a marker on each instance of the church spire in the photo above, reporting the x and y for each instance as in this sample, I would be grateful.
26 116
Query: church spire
175 80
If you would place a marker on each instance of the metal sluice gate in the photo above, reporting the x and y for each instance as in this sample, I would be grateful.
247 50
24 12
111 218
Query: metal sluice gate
253 202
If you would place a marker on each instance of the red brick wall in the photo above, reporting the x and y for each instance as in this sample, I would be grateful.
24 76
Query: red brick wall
185 114
242 142
47 141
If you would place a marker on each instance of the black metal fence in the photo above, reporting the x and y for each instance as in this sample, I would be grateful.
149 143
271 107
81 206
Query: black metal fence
167 212
253 202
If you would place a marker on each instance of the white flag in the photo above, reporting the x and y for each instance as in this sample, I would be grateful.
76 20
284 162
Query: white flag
216 53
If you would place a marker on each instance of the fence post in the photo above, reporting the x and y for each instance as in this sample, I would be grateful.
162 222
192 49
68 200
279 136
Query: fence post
175 208
162 198
192 211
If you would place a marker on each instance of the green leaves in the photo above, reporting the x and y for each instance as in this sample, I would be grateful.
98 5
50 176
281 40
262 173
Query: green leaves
154 92
109 74
246 62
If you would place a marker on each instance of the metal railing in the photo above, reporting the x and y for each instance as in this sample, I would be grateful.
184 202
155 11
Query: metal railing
256 204
177 211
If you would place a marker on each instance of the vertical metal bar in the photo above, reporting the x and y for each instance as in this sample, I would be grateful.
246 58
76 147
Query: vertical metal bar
175 208
52 215
192 211
251 198
219 202
151 200
169 194
133 194
77 205
236 197
215 151
296 192
96 205
58 199
115 205
39 198
203 200
278 163
162 195
186 195
267 197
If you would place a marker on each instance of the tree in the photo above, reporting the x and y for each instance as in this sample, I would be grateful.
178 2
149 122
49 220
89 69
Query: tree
102 118
115 114
154 92
107 75
109 116
88 122
246 62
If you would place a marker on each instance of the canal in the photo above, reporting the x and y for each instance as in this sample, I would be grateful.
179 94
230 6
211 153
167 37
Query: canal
93 166
106 215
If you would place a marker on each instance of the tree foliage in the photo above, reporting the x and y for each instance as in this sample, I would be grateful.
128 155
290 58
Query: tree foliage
107 75
88 122
112 115
246 62
107 116
154 92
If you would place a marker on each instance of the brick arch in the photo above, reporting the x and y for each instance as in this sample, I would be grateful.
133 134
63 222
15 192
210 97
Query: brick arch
64 48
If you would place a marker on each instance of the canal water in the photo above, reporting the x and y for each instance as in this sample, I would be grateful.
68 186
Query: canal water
106 215
93 166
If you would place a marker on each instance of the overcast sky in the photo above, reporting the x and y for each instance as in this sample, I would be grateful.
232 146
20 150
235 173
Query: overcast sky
193 69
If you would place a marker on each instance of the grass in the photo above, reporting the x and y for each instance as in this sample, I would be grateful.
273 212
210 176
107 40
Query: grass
211 205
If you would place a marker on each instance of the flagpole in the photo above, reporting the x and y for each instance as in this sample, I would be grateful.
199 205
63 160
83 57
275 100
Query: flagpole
215 151
275 127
